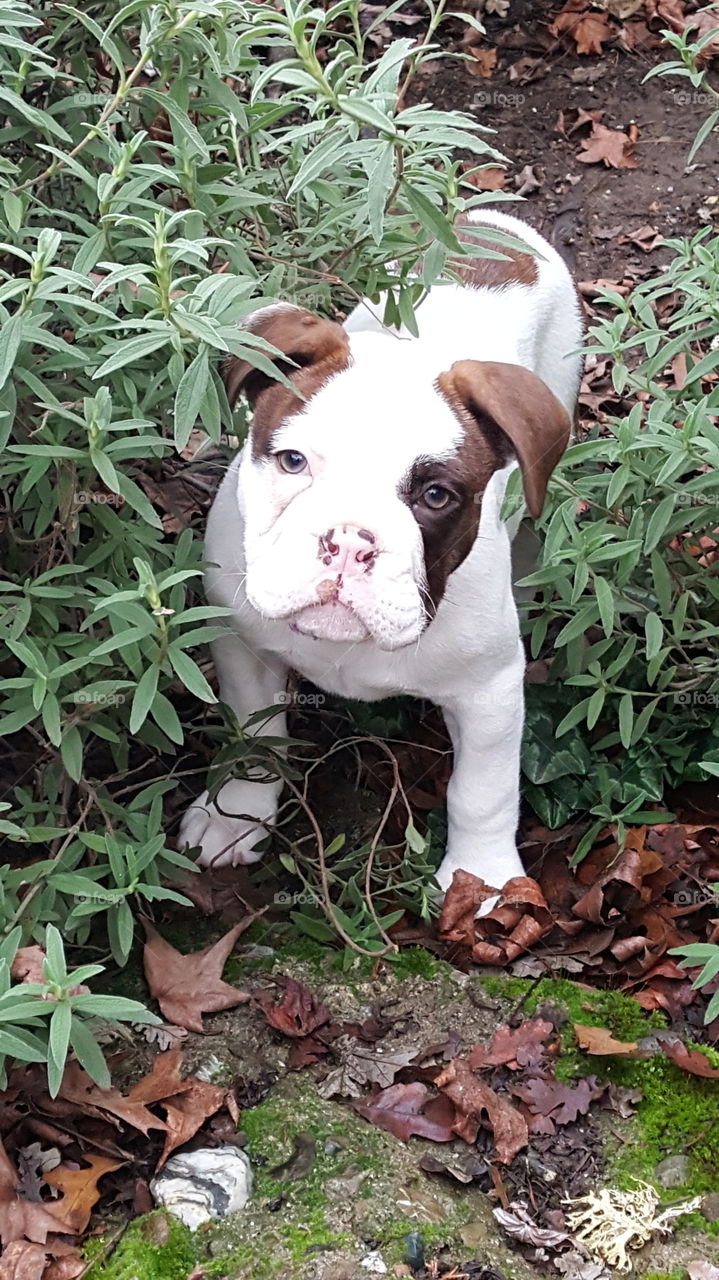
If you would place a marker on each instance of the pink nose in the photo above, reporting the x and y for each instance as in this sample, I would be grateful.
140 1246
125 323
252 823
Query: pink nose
348 549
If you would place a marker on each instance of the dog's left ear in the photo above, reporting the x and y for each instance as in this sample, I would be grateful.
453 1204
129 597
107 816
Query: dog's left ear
518 413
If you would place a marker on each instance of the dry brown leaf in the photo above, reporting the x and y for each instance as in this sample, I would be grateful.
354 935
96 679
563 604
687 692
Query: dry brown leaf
186 986
473 1098
487 178
22 1260
400 1110
79 1189
77 1087
481 62
22 1219
588 30
597 1040
691 1060
297 1013
611 147
163 1081
186 1113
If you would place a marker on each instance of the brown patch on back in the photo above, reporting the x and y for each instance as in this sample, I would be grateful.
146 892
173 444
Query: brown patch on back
492 273
319 347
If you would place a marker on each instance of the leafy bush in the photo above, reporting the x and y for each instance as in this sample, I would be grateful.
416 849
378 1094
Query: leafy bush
167 168
628 595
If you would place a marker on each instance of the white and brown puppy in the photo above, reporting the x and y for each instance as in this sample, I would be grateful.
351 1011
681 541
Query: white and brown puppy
357 536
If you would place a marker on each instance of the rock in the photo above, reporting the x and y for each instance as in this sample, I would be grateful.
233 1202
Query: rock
156 1230
474 1235
201 1185
710 1207
673 1172
375 1263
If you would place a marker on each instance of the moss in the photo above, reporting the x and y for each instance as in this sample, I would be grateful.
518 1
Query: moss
677 1113
136 1257
677 1274
415 962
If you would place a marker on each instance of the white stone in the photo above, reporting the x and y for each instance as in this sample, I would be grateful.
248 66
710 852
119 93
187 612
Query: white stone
375 1263
198 1186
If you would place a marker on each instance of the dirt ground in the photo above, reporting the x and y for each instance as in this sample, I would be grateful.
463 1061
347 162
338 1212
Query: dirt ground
587 209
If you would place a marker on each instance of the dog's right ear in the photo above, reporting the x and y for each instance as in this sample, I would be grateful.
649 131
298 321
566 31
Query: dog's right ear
308 341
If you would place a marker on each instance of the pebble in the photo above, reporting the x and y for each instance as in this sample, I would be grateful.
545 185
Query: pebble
710 1207
673 1172
201 1185
375 1263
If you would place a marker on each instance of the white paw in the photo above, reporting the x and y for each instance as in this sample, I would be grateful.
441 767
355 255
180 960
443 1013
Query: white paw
495 870
229 831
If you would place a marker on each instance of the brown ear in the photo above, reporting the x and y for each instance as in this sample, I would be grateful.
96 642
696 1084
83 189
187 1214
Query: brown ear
305 339
519 413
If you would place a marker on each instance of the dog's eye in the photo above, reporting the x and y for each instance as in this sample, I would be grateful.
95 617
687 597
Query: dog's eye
291 461
436 496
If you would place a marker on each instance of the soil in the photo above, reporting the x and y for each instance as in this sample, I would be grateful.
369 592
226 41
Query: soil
586 209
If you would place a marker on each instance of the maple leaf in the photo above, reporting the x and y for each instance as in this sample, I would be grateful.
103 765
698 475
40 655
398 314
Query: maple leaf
691 1060
186 986
472 1098
513 1047
612 147
79 1190
359 1066
77 1087
297 1012
22 1219
399 1110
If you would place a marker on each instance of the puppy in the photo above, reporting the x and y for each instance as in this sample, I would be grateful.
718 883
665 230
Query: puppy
358 539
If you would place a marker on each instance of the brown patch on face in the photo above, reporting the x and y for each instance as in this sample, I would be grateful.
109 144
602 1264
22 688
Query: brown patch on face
492 273
319 347
449 533
505 411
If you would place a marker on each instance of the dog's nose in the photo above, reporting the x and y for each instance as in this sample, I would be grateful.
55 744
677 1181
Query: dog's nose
346 548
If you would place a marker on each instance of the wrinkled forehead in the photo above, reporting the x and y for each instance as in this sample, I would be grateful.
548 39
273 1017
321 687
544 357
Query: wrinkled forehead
382 411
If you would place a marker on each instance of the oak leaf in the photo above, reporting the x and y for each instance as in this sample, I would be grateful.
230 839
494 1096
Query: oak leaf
22 1219
80 1192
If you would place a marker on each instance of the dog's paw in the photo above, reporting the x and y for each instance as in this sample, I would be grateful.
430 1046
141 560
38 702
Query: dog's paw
495 872
229 831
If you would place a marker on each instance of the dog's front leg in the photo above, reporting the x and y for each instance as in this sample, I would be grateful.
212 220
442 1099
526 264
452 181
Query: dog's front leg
229 829
483 794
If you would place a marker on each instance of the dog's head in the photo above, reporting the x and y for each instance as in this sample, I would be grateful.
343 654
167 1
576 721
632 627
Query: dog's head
362 487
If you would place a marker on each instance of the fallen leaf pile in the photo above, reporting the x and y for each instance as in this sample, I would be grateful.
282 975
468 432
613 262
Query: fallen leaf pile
61 1154
614 918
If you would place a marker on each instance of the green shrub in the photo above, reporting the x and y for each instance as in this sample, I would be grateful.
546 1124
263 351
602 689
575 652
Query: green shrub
155 188
628 592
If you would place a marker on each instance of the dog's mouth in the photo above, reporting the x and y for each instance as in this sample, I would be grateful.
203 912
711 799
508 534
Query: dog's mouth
330 620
